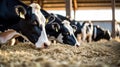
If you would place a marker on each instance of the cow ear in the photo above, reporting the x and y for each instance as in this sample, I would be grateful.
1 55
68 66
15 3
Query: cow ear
74 28
20 11
55 26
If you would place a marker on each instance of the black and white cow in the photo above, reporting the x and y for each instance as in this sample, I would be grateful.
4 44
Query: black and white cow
117 29
90 32
100 33
27 20
84 30
59 29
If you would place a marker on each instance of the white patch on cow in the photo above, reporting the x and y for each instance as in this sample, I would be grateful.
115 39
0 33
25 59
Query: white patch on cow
41 19
109 34
67 25
42 39
36 10
95 32
70 29
60 38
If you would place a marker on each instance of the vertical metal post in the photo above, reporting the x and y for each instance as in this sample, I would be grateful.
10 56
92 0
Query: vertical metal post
68 8
113 18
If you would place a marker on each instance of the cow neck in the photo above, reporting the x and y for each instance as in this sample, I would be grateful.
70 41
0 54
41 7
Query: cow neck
16 26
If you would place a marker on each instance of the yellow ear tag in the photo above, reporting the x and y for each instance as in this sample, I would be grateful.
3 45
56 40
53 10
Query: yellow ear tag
46 21
22 15
74 30
56 29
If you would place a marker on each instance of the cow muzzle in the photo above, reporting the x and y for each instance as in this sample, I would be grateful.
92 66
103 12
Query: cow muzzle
43 45
77 45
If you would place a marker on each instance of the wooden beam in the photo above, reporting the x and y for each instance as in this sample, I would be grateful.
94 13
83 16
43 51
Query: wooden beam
74 7
68 8
40 2
113 18
75 4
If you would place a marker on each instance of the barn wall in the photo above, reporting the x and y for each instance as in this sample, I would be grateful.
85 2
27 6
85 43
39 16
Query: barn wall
105 25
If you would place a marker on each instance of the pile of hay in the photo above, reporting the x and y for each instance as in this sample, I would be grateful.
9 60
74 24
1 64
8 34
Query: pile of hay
95 54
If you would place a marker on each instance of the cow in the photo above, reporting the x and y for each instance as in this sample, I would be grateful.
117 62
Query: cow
88 31
84 30
100 33
117 29
59 30
26 20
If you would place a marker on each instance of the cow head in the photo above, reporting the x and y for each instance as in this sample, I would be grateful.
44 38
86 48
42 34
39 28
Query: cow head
67 34
32 25
107 35
60 30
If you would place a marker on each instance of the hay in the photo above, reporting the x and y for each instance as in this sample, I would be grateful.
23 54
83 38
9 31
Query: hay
95 54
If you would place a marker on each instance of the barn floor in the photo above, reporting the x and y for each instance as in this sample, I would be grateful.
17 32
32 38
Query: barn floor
95 54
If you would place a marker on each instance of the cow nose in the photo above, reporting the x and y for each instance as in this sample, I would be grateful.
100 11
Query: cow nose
45 45
77 45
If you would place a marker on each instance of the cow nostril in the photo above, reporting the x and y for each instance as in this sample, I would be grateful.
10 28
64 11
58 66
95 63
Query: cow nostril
45 45
77 45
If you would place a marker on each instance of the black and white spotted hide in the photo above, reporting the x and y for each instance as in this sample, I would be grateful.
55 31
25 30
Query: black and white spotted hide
100 33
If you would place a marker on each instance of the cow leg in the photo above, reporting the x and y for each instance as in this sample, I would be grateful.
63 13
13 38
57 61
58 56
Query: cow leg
79 38
84 37
89 39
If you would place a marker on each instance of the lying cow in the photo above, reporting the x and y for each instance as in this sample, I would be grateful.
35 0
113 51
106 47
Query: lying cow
24 19
59 30
100 33
94 32
117 30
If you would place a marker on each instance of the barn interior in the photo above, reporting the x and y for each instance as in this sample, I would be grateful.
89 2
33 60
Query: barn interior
73 5
95 54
